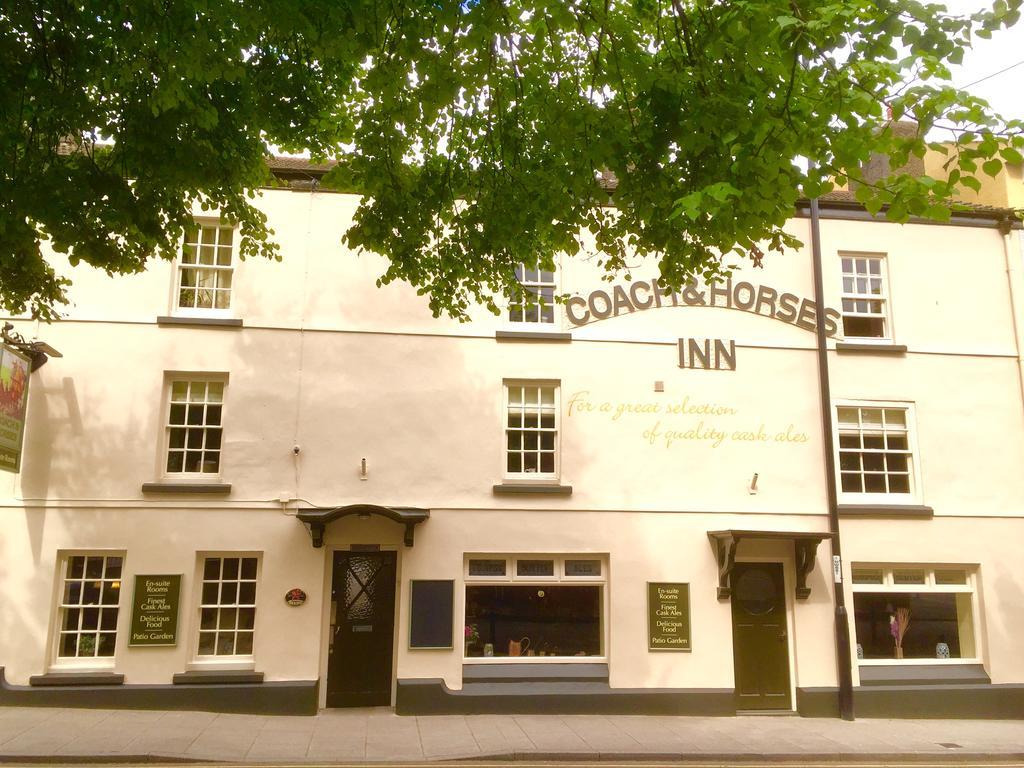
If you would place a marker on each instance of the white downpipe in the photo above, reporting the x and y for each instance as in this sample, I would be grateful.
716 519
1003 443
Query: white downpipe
1013 278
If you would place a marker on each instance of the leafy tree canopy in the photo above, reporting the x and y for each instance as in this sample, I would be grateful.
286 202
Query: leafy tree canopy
477 130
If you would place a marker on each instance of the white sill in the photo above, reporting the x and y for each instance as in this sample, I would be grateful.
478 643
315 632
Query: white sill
531 478
192 477
218 313
914 662
534 659
106 664
887 341
223 663
895 499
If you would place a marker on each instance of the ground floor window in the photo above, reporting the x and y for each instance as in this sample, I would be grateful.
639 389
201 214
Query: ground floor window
914 613
227 609
534 607
89 601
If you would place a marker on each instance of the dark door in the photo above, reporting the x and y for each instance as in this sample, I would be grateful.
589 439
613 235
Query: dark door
362 629
760 648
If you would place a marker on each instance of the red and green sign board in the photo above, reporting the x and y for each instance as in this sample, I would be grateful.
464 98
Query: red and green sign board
14 371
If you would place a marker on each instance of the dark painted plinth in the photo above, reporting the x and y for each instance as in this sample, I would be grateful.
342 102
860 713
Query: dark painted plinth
433 697
279 698
979 702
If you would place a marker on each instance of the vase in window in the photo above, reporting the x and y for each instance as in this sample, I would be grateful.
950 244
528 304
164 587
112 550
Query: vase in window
941 650
860 651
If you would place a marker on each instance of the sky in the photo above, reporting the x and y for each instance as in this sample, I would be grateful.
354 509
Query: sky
1005 92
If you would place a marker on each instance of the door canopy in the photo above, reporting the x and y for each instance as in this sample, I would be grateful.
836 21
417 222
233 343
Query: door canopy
316 520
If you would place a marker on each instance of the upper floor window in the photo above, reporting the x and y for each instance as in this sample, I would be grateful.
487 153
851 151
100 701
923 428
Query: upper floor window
875 449
865 300
87 613
531 429
195 418
206 268
537 301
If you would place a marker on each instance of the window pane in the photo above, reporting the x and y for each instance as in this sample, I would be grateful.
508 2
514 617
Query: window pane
225 643
207 643
933 624
544 620
208 618
535 567
246 618
950 577
867 575
210 592
248 567
244 643
211 568
908 576
582 567
487 567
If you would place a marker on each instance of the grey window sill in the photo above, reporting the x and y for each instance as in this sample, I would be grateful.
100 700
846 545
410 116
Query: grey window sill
217 677
534 488
885 510
532 336
76 678
171 487
864 348
923 674
201 322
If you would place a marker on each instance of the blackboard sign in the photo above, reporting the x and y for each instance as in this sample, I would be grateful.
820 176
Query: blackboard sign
155 610
668 617
431 613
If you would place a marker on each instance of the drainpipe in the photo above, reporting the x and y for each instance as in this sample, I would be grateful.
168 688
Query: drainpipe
1013 279
842 624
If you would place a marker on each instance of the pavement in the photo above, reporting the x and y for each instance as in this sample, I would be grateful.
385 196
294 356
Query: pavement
378 735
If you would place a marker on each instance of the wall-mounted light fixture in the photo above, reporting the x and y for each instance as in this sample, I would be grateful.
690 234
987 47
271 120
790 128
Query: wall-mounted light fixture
363 475
752 488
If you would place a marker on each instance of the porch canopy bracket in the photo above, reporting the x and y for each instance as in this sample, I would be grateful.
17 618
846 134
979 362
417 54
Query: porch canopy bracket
316 520
805 548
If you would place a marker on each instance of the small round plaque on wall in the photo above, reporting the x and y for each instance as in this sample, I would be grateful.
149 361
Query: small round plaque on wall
295 596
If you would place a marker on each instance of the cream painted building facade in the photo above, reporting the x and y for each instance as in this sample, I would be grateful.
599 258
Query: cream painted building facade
257 486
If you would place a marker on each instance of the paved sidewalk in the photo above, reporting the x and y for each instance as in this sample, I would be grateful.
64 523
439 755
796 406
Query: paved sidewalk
380 735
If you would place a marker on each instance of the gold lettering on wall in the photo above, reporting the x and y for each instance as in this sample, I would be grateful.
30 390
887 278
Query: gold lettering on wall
684 420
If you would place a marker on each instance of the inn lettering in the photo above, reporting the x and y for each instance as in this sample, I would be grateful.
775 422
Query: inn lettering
744 296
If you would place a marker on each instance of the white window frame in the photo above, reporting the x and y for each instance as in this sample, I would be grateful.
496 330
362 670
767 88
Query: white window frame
558 579
915 495
531 477
888 586
540 324
234 661
884 297
170 378
180 266
78 663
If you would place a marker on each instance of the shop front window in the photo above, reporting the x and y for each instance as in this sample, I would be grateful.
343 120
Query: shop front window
913 614
534 607
534 621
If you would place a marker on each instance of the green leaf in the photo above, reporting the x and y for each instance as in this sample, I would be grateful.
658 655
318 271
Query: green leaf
992 167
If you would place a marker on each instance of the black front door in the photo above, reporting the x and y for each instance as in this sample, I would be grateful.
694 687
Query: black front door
760 649
362 629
